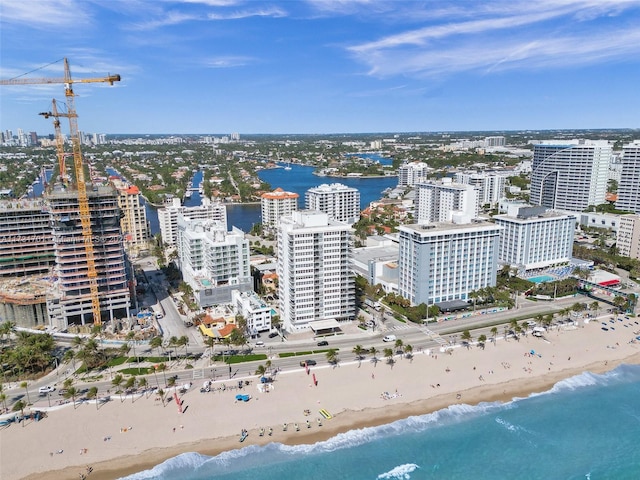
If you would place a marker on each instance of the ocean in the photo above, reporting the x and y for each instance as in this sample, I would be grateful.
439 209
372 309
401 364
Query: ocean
585 427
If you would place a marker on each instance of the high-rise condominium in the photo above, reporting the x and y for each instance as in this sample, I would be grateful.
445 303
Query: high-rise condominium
570 175
315 279
629 187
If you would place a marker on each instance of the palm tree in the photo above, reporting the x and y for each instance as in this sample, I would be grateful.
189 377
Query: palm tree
466 336
373 351
261 370
93 393
332 356
124 350
130 384
494 334
481 340
116 382
183 341
162 367
72 393
6 329
173 343
25 385
131 335
388 354
19 406
408 351
69 356
595 306
155 342
358 351
161 394
210 342
399 343
267 365
143 383
171 382
3 397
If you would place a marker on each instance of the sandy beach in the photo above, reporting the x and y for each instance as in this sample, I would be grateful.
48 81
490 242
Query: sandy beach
122 437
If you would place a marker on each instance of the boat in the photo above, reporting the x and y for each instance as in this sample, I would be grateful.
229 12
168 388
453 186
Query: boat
288 167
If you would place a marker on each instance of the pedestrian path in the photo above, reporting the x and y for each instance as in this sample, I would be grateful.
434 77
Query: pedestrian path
435 337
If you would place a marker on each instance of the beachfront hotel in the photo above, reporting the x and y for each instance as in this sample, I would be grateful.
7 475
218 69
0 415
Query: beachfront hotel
629 186
340 202
213 261
168 217
570 174
438 201
445 261
316 283
276 204
534 237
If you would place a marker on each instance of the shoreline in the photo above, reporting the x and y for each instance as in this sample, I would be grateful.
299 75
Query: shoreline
351 392
347 421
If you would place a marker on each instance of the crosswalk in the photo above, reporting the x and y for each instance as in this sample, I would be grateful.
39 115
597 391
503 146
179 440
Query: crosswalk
429 333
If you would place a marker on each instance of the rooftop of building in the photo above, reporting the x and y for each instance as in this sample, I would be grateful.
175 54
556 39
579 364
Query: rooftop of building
279 194
435 228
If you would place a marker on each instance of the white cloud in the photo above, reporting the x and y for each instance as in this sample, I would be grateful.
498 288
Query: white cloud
239 14
227 61
571 32
44 14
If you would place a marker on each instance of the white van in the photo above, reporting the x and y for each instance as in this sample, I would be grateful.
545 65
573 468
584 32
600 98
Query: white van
389 338
45 390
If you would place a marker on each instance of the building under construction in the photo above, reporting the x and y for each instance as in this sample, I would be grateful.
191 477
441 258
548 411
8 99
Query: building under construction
26 261
43 260
73 302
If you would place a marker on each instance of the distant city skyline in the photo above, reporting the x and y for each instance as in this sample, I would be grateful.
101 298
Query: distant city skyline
325 66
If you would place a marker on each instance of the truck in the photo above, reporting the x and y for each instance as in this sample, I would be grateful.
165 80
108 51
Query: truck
373 304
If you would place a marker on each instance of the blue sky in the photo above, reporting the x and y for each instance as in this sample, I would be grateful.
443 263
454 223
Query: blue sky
325 66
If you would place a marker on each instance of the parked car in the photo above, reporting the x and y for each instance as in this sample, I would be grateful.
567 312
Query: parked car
308 363
259 343
323 343
273 334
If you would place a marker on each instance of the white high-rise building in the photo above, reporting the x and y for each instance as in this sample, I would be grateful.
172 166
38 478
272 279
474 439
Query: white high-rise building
213 261
133 223
256 312
168 217
340 202
442 262
409 174
490 185
570 175
534 237
439 201
629 186
315 279
277 204
496 141
628 236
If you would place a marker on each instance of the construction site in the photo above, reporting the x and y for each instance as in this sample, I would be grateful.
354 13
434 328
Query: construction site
62 257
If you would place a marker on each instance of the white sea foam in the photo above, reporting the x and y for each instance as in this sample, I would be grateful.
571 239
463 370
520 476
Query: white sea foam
399 472
184 462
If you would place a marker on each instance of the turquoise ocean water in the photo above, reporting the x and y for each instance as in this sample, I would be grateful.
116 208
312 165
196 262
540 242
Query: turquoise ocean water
585 427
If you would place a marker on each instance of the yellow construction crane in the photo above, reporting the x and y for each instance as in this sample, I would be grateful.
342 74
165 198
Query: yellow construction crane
59 139
83 201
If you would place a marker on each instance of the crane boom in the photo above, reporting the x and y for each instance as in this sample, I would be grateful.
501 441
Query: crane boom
59 140
83 200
